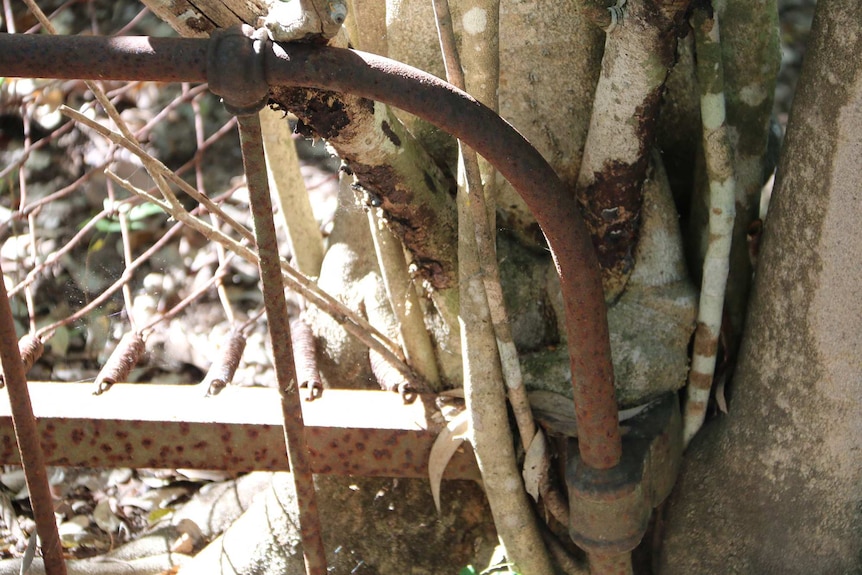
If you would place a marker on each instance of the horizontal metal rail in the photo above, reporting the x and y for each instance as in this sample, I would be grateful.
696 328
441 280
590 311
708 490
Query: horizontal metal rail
176 427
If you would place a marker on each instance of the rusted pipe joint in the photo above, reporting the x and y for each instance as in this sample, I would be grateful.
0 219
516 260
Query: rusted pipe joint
609 509
235 68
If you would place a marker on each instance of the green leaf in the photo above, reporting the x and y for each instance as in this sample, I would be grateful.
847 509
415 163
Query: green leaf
145 210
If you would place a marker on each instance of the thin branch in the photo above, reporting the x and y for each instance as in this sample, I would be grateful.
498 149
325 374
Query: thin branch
122 217
482 345
215 280
401 293
48 330
722 211
485 245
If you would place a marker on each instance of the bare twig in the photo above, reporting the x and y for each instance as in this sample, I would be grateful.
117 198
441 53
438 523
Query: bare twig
354 324
122 217
215 280
55 256
48 330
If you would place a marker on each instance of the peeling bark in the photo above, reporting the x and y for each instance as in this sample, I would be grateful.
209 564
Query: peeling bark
392 167
639 52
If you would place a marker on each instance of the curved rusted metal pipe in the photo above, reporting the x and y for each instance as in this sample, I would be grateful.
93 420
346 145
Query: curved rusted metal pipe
384 80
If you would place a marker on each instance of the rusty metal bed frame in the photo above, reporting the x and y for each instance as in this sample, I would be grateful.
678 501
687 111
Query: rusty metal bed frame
613 482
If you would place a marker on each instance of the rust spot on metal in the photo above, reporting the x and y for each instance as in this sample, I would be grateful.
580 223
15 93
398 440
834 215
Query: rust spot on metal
125 356
251 144
30 348
222 370
305 357
371 451
453 111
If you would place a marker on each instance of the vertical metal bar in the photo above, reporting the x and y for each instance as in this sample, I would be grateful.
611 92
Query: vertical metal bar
610 564
279 331
27 437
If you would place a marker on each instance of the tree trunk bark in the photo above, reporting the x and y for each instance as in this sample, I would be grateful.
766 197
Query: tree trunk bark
775 486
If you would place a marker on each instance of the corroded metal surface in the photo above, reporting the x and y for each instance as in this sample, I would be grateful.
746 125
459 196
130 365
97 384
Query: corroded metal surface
104 58
278 323
609 509
168 426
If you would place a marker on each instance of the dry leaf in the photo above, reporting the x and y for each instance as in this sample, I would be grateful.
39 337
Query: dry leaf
447 443
105 518
29 553
720 400
536 464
